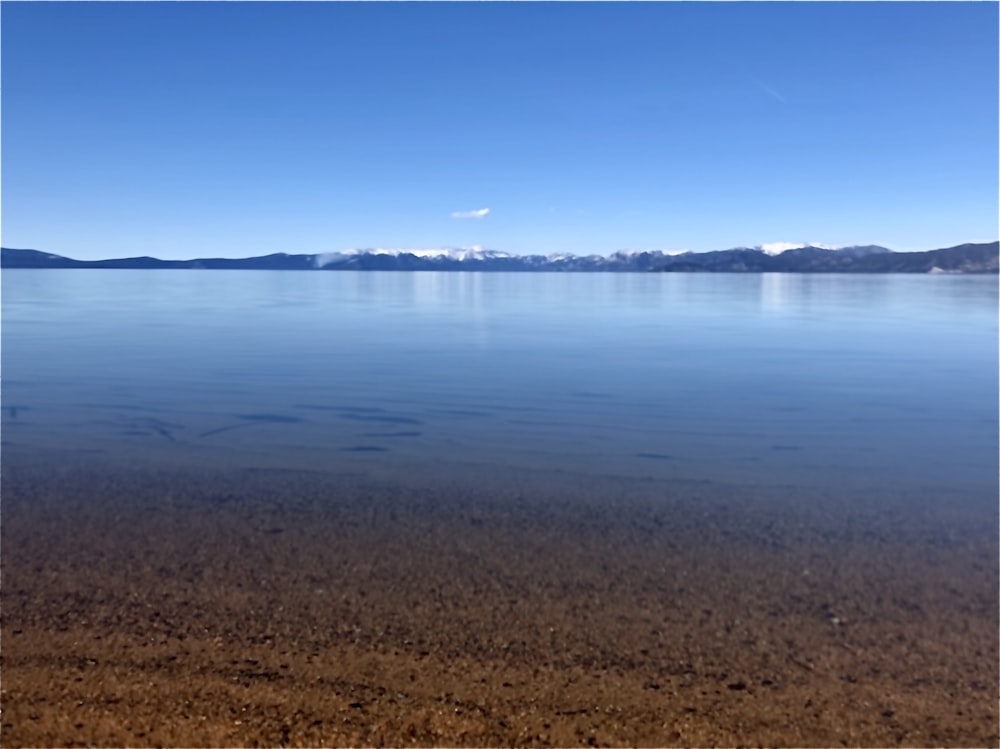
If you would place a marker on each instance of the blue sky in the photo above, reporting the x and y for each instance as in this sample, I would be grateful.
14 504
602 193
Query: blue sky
234 129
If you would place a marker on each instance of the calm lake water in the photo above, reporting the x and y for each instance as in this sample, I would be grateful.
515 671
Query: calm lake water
763 379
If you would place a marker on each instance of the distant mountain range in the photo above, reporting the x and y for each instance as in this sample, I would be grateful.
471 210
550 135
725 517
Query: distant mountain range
965 258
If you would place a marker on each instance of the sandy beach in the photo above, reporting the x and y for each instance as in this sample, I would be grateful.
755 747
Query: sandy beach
203 607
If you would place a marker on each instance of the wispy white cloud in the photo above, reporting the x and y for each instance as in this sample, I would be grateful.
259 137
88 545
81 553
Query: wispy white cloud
480 213
767 89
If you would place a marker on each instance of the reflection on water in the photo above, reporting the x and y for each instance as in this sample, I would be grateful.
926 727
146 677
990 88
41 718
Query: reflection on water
759 378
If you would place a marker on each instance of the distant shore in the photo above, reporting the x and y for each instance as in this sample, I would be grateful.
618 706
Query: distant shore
204 607
965 258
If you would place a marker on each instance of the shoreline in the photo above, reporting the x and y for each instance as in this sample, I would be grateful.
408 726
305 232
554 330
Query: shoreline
231 608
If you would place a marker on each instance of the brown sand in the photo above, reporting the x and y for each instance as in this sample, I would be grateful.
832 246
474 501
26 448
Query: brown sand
266 608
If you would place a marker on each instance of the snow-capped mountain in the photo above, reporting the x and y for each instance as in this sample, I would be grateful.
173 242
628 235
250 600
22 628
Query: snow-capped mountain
460 254
967 258
620 260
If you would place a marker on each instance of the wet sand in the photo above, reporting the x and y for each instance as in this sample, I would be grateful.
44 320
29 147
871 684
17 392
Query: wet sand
203 607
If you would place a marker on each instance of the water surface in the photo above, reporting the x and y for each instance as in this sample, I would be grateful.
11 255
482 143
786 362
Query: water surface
763 379
456 509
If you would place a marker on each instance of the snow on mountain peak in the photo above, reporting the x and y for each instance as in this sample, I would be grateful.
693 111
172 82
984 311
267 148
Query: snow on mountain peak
476 252
633 253
776 248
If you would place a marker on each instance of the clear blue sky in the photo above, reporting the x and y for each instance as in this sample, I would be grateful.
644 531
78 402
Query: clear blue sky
234 129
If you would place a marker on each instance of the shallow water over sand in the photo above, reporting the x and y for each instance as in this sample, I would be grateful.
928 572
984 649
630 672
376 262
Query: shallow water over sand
262 607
